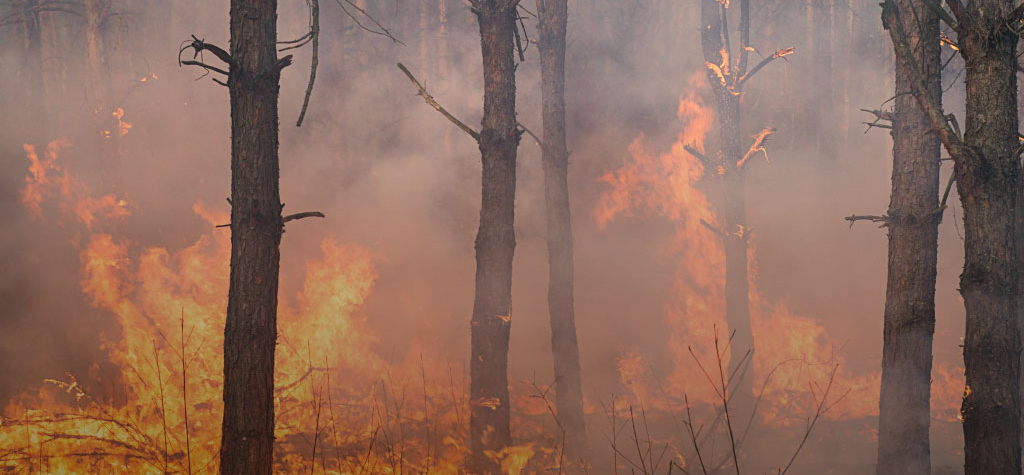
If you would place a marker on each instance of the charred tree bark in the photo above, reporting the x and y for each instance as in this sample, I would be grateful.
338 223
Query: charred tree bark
987 169
495 242
250 335
729 193
553 16
904 409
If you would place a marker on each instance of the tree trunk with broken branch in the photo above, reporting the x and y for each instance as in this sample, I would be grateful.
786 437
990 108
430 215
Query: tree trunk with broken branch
250 334
489 429
913 221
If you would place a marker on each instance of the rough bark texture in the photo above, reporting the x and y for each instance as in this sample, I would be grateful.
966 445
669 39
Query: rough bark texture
495 242
251 332
987 179
904 409
555 157
728 195
987 173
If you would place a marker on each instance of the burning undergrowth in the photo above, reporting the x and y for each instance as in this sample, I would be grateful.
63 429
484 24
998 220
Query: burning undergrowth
342 407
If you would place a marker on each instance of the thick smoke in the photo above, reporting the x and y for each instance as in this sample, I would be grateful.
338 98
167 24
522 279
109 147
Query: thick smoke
395 178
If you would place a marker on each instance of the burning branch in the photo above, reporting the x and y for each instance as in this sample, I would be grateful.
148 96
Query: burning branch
760 139
422 92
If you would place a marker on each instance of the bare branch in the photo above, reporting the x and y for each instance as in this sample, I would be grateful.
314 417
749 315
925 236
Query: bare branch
941 12
382 31
779 53
693 151
204 66
853 218
198 46
531 134
719 232
306 214
422 92
314 34
880 115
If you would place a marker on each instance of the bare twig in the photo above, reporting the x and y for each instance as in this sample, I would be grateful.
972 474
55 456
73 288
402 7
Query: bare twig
853 218
382 30
422 92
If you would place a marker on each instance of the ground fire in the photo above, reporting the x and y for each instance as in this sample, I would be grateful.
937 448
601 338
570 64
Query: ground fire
561 236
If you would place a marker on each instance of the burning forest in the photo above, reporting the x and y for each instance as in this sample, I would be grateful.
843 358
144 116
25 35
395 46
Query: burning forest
511 237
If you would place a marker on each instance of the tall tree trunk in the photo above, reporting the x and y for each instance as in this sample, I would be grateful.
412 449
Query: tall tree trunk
495 242
247 442
555 156
729 196
904 409
987 182
987 172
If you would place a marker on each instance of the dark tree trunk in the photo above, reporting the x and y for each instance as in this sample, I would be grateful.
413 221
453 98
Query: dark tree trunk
495 242
987 181
555 156
728 194
987 172
904 409
247 443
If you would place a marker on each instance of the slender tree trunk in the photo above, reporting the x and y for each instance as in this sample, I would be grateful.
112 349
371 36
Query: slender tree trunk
555 156
988 180
247 442
729 199
904 409
495 242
